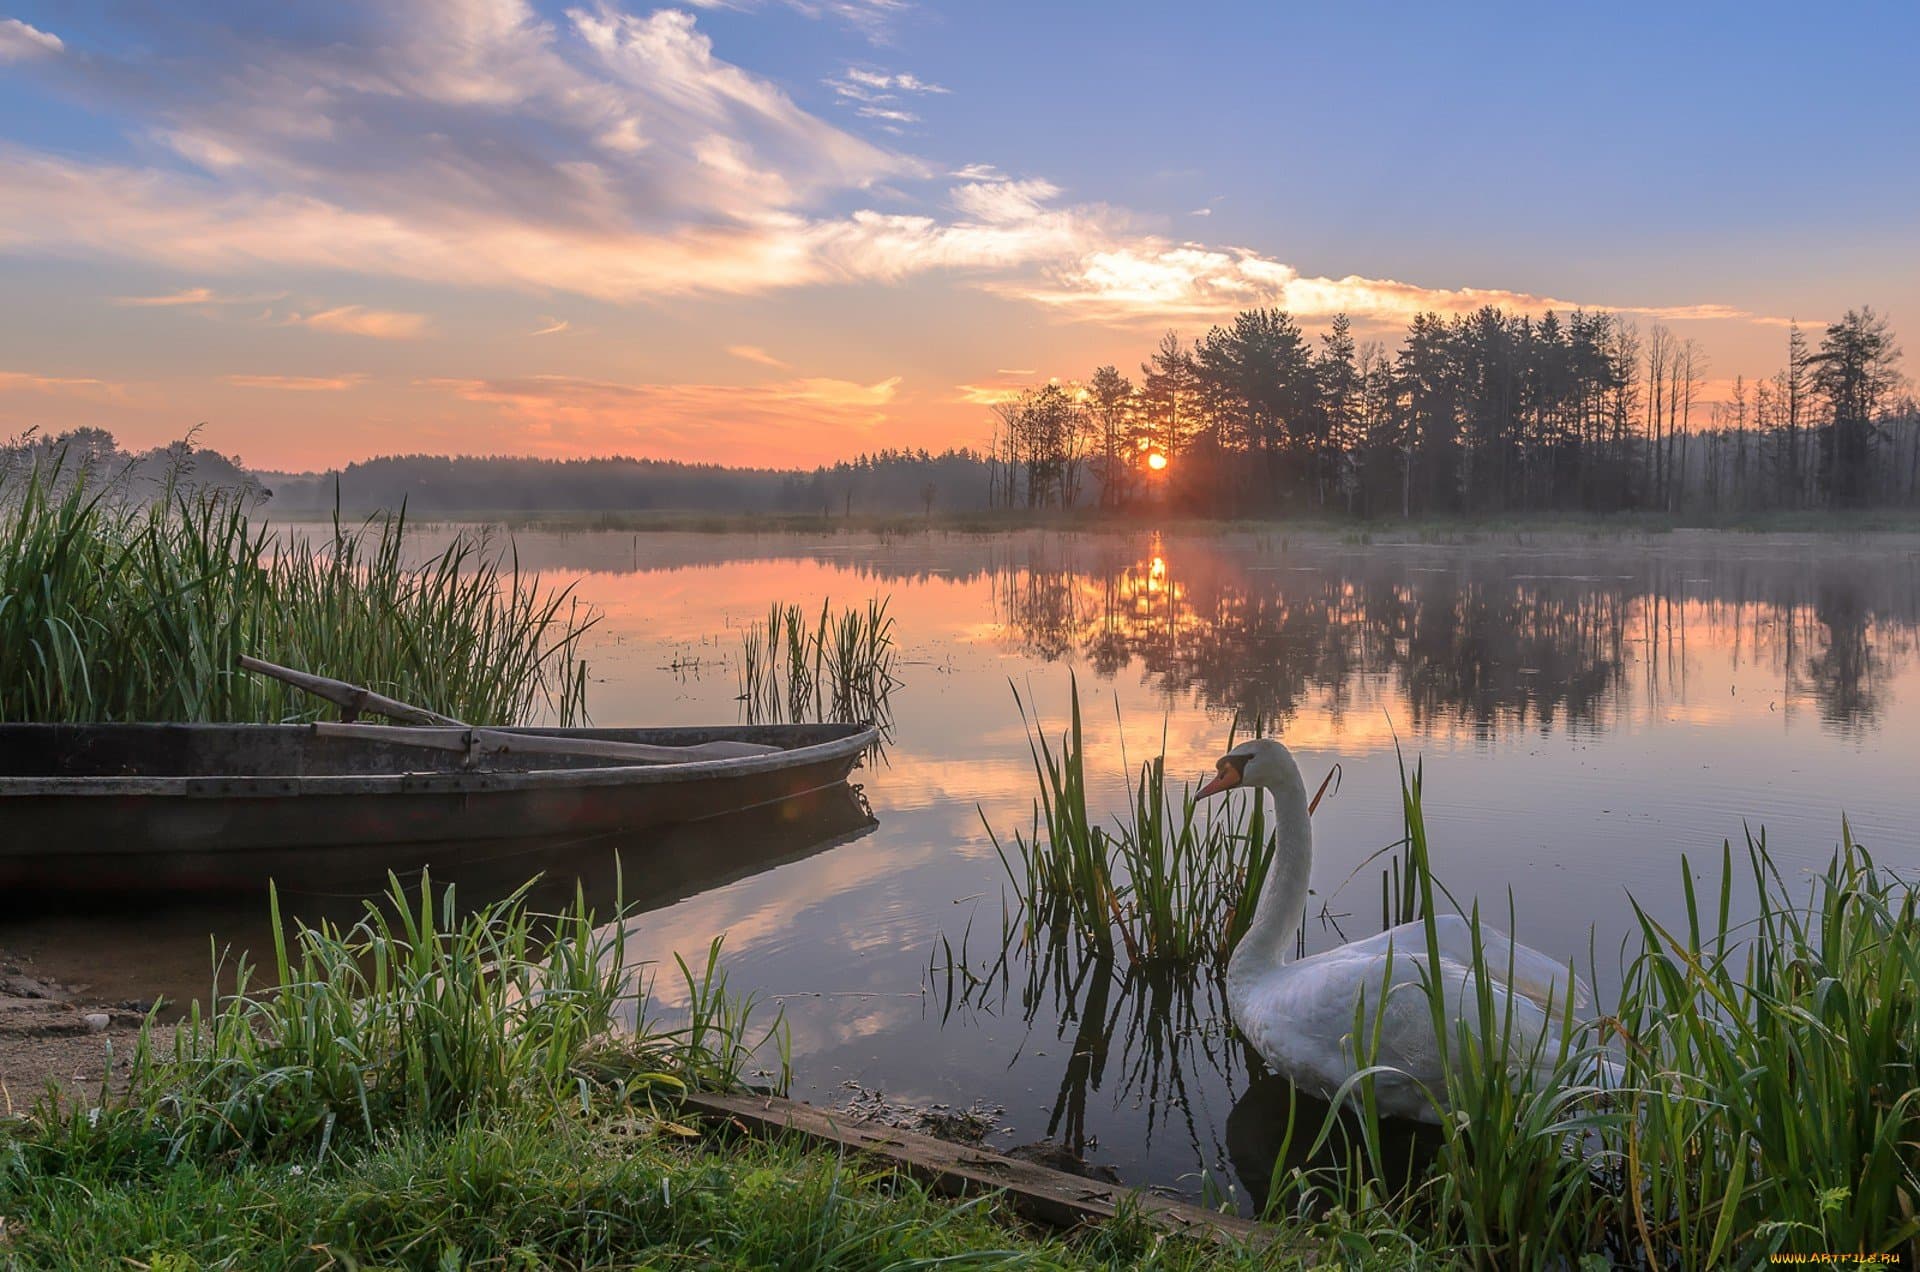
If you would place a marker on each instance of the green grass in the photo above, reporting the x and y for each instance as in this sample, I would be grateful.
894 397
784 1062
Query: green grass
428 1089
590 1191
1166 882
838 667
117 609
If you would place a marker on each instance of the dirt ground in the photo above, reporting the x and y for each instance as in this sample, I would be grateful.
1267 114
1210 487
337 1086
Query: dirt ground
53 1032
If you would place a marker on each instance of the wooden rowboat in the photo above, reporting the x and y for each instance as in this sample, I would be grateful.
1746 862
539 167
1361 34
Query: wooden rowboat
193 807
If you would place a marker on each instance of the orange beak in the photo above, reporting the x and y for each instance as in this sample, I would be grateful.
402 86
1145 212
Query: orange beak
1225 780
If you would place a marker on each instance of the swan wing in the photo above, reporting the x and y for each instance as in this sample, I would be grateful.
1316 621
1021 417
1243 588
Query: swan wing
1519 968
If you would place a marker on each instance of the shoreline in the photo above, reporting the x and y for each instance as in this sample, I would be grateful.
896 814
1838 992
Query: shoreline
58 1034
1441 530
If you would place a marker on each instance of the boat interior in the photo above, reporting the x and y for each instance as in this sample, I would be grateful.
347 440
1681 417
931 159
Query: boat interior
292 750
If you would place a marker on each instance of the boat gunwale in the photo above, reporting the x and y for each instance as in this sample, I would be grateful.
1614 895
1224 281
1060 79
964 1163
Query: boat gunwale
247 786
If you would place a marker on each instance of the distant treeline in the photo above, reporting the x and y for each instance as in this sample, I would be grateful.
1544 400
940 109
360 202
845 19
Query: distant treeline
885 482
1485 413
93 456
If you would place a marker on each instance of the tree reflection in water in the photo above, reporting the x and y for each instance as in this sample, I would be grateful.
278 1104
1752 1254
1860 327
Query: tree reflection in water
1473 637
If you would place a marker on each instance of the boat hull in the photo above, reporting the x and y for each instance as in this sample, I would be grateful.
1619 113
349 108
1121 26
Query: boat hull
86 808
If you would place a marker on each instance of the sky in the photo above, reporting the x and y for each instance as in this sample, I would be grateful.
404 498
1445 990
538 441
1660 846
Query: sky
784 231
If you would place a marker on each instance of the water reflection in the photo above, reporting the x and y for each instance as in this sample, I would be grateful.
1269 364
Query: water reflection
163 951
1467 639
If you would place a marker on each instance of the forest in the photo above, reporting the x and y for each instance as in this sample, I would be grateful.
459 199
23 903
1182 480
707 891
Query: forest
1487 414
1483 414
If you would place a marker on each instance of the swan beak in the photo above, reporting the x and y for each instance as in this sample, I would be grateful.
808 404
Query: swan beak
1225 780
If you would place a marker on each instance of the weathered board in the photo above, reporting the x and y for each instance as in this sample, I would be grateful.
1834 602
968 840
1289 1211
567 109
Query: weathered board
1034 1192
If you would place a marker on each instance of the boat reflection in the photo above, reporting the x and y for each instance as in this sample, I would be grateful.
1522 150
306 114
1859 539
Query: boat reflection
122 950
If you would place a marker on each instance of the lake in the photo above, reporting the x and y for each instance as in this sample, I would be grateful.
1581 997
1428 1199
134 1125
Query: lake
1586 711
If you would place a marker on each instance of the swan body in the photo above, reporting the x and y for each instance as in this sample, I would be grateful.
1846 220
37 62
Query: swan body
1318 1020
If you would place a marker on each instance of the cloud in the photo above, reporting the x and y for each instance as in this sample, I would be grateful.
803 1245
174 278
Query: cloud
753 353
554 326
193 296
18 41
298 383
1151 281
64 386
568 415
477 143
1201 212
860 84
355 320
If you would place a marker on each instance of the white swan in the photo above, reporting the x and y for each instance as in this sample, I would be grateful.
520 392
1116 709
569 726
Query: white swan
1300 1014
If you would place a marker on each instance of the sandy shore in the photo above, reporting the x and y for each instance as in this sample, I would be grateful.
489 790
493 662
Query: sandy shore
51 1032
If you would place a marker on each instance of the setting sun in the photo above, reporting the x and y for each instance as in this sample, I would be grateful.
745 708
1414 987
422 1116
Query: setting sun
1156 461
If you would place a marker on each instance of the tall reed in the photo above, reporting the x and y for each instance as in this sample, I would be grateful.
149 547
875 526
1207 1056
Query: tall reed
836 667
417 1016
119 609
1169 884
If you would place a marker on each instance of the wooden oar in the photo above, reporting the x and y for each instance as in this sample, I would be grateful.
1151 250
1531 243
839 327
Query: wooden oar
448 734
500 742
351 699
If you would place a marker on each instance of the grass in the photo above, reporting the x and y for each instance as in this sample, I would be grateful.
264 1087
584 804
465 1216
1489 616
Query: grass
576 1192
432 1089
1166 884
1763 1072
117 609
838 667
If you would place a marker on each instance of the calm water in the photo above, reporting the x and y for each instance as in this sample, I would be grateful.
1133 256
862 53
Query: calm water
1586 711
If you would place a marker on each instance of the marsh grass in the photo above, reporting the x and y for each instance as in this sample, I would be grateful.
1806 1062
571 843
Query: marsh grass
838 667
1166 884
1752 1086
116 608
419 1016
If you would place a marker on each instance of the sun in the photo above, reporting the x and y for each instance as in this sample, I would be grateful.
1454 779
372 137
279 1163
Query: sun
1156 461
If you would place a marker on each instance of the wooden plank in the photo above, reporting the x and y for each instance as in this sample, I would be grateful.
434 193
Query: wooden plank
1033 1191
495 741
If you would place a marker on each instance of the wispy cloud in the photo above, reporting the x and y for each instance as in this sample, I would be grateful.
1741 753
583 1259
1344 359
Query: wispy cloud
1151 281
194 296
356 320
19 41
65 386
754 353
601 154
862 84
554 326
298 383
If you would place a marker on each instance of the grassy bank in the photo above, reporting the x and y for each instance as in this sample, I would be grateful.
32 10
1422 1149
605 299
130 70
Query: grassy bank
431 1089
119 609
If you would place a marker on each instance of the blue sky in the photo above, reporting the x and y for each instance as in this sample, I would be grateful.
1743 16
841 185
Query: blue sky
802 227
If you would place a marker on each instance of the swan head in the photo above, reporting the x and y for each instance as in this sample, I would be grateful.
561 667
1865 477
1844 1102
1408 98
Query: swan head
1255 762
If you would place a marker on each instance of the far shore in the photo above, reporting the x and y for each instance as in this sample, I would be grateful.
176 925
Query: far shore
1132 521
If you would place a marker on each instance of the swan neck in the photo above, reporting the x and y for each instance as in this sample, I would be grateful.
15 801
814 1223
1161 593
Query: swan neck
1282 904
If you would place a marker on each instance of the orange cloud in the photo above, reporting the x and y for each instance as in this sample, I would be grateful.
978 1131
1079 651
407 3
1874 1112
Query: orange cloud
355 320
754 353
67 386
773 423
192 296
298 383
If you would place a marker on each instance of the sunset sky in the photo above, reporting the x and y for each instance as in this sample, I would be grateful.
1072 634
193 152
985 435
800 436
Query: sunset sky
781 231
